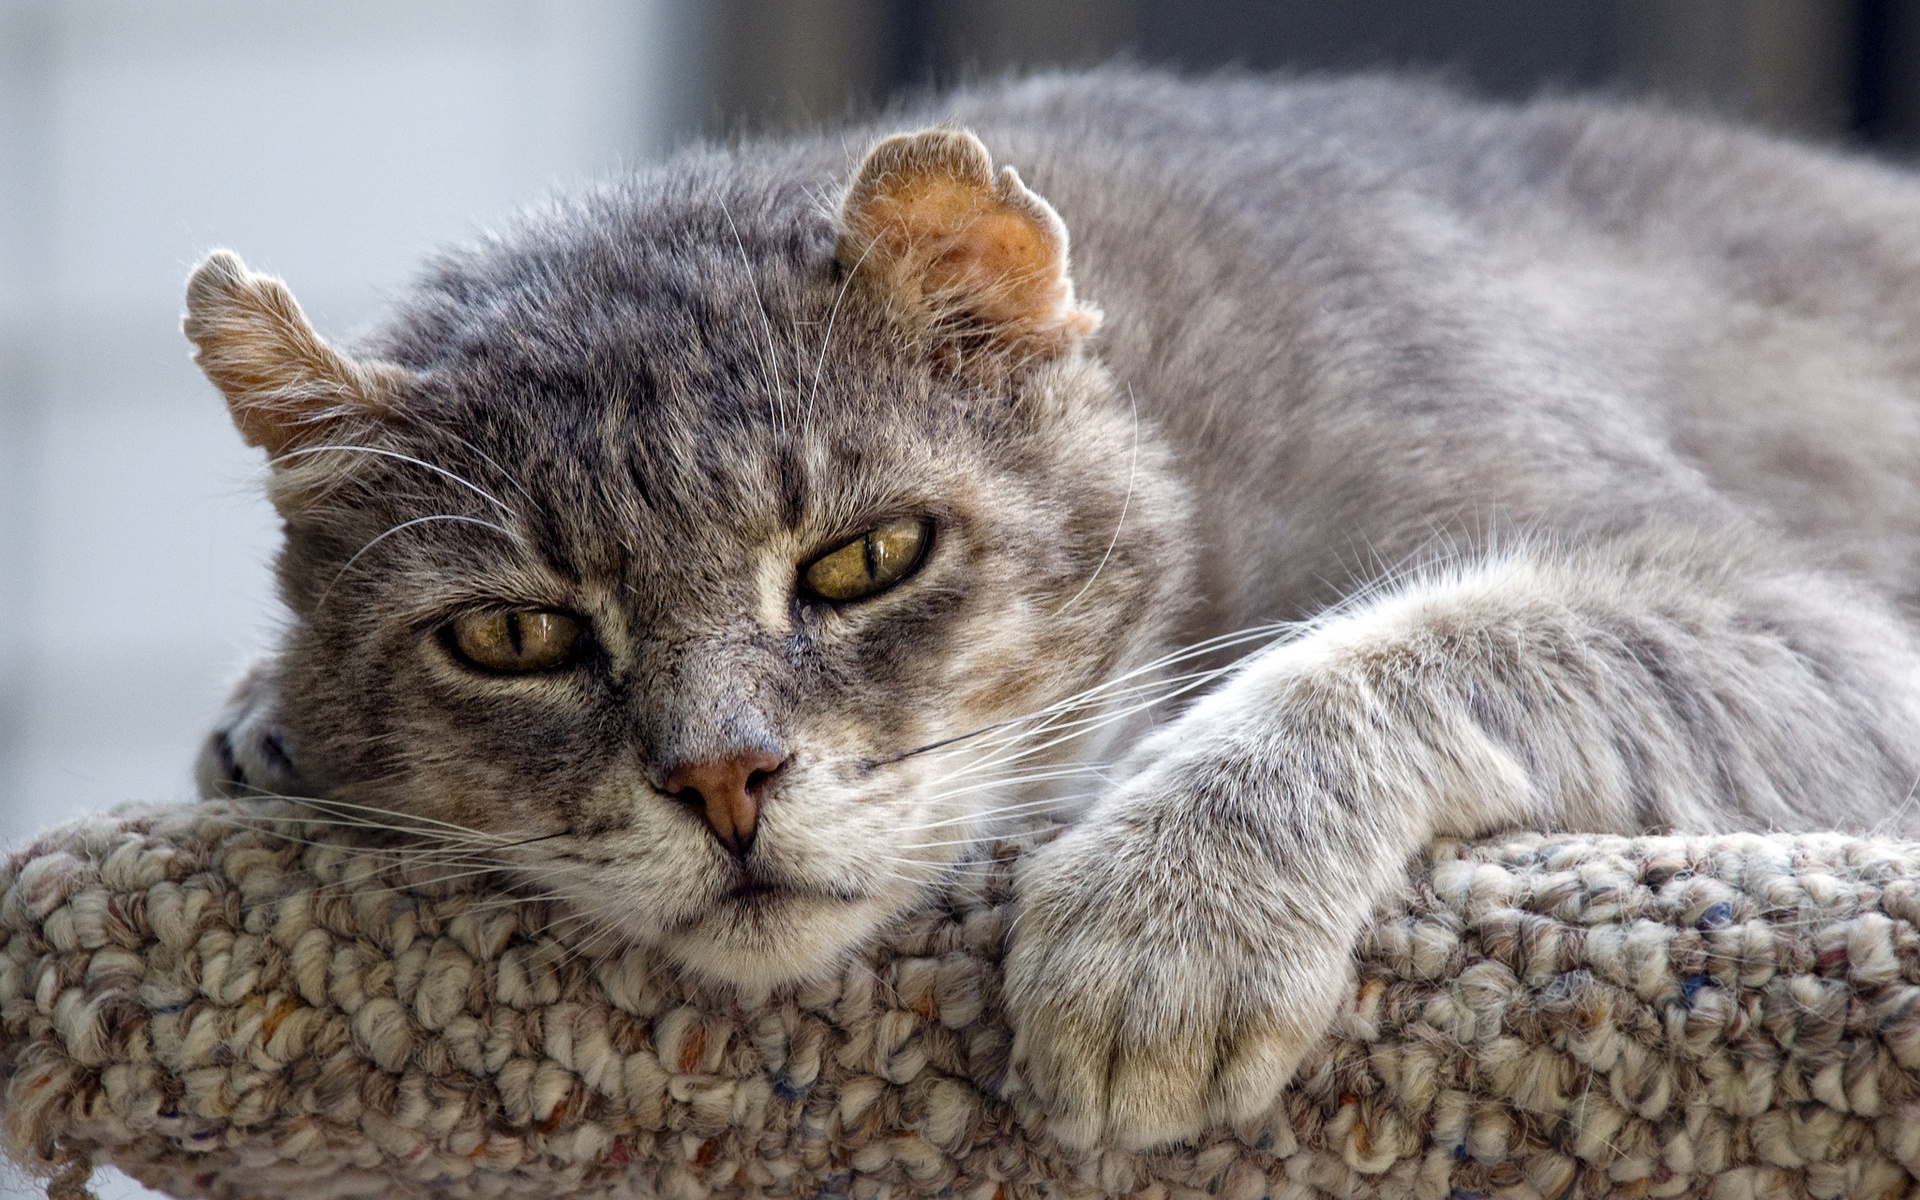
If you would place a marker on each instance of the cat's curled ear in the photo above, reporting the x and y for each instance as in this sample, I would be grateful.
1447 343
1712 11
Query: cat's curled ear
283 383
954 249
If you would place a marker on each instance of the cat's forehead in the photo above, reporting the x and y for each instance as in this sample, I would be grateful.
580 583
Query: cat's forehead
706 384
686 390
689 293
688 299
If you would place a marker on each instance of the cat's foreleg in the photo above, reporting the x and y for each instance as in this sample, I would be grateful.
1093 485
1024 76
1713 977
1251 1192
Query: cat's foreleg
1181 948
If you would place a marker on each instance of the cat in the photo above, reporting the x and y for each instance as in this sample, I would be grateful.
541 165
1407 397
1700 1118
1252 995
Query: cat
1262 478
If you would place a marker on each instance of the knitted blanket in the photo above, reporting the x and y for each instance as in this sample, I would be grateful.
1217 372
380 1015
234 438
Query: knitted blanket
222 1007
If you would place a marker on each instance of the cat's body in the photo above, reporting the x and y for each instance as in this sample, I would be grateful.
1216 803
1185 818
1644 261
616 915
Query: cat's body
1582 440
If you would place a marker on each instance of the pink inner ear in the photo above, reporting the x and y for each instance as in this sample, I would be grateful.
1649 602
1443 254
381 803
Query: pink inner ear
1005 267
929 224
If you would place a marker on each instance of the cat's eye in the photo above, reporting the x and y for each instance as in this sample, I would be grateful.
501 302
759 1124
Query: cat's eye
516 641
869 564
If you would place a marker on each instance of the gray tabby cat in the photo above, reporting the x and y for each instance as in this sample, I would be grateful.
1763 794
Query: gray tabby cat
730 549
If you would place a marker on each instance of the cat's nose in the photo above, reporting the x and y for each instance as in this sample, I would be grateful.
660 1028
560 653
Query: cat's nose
727 790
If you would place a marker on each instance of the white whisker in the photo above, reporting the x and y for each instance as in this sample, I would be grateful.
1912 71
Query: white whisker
1005 810
1066 772
1012 752
1083 698
775 416
341 573
329 804
806 422
1132 463
442 471
967 841
1169 688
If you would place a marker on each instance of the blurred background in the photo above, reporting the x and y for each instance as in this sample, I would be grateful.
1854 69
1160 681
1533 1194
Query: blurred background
334 142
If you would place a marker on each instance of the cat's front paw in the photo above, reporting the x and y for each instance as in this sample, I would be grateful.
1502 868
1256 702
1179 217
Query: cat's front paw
1161 979
246 756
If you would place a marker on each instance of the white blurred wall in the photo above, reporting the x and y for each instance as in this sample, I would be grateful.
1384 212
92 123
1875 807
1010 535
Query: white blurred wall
328 142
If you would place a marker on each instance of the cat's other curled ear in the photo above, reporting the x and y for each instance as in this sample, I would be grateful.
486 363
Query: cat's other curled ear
283 383
959 252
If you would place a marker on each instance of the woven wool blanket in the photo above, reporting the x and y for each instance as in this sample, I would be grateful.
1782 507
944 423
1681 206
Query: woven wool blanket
219 1003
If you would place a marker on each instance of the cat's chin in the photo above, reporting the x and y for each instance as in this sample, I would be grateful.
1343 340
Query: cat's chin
766 941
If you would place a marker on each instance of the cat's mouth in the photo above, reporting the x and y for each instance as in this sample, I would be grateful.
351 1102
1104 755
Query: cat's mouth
758 888
751 888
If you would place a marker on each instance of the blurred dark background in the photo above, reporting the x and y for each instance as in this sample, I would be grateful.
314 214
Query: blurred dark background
1826 68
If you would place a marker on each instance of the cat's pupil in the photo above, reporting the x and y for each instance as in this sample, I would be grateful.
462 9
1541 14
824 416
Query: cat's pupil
869 564
519 641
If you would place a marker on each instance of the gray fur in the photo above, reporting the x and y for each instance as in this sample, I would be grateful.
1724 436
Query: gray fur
1577 443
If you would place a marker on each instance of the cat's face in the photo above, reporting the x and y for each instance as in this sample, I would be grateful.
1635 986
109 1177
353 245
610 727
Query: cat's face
670 553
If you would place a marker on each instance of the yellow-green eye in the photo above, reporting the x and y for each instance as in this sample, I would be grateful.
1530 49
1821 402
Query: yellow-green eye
519 641
870 563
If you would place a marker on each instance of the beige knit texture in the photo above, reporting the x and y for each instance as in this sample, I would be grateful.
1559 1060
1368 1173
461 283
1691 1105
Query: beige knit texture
221 1010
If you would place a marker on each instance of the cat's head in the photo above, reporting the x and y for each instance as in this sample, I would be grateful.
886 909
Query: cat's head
671 540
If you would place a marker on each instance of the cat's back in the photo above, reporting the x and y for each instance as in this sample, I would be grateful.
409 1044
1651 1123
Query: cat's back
1280 258
1558 175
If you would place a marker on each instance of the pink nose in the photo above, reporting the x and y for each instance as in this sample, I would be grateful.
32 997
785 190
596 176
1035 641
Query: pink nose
727 791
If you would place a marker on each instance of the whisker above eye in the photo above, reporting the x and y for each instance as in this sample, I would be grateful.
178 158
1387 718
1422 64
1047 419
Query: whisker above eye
776 417
385 453
826 341
483 456
404 525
